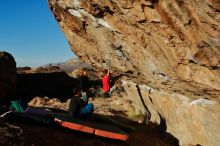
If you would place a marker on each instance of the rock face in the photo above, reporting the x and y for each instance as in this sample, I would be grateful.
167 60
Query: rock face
169 47
191 121
7 77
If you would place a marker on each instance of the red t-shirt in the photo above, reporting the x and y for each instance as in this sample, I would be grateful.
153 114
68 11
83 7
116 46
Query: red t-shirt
105 83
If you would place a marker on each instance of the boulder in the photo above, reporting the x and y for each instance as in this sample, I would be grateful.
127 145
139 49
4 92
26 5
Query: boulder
169 46
7 77
192 121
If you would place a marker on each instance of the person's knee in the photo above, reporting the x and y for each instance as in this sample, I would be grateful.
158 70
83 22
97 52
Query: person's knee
90 107
87 109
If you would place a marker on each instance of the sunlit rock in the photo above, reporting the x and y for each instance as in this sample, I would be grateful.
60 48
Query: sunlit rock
169 46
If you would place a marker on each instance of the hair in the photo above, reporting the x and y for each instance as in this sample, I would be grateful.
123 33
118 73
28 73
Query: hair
83 70
105 72
76 91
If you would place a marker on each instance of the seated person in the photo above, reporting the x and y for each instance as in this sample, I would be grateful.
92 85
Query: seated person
78 108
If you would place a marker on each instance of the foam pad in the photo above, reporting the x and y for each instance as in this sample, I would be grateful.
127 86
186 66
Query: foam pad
99 129
96 128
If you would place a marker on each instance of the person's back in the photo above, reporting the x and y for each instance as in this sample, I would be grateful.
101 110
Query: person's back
106 82
84 84
78 108
76 104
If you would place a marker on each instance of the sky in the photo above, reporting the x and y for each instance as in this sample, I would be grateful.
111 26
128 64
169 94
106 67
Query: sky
29 31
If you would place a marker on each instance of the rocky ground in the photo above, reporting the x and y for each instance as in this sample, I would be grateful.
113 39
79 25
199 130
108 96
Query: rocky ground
114 107
47 87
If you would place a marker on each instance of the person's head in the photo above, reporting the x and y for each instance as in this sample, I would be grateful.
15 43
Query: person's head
76 92
84 72
105 72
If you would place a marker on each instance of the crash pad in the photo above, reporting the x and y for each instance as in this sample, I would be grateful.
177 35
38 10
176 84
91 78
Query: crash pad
36 110
99 129
28 118
64 120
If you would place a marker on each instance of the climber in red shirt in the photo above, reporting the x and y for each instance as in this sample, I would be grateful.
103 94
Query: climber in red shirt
106 83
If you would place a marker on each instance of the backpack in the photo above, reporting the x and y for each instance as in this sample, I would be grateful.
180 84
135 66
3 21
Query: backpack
18 106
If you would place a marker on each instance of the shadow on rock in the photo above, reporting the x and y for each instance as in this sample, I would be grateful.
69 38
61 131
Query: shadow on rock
142 134
55 84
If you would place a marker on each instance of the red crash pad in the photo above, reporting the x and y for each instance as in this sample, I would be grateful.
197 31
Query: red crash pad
96 128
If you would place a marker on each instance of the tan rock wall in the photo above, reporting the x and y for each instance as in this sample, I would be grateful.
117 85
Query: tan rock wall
167 45
191 121
147 39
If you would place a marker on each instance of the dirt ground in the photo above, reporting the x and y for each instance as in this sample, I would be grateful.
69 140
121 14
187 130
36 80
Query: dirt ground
13 133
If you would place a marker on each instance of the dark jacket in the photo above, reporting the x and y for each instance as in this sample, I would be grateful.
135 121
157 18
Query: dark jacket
75 106
84 83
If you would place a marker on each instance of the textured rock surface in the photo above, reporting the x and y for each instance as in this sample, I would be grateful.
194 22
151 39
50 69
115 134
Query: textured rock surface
7 77
170 46
191 121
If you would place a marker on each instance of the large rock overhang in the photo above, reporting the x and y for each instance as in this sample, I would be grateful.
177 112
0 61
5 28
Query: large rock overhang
169 46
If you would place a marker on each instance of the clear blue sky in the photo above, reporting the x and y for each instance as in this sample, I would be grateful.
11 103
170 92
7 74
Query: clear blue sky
30 33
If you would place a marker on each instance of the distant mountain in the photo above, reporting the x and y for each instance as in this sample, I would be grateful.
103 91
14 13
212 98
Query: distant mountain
71 65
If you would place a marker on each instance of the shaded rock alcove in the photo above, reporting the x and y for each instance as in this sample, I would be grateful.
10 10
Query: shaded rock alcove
51 84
